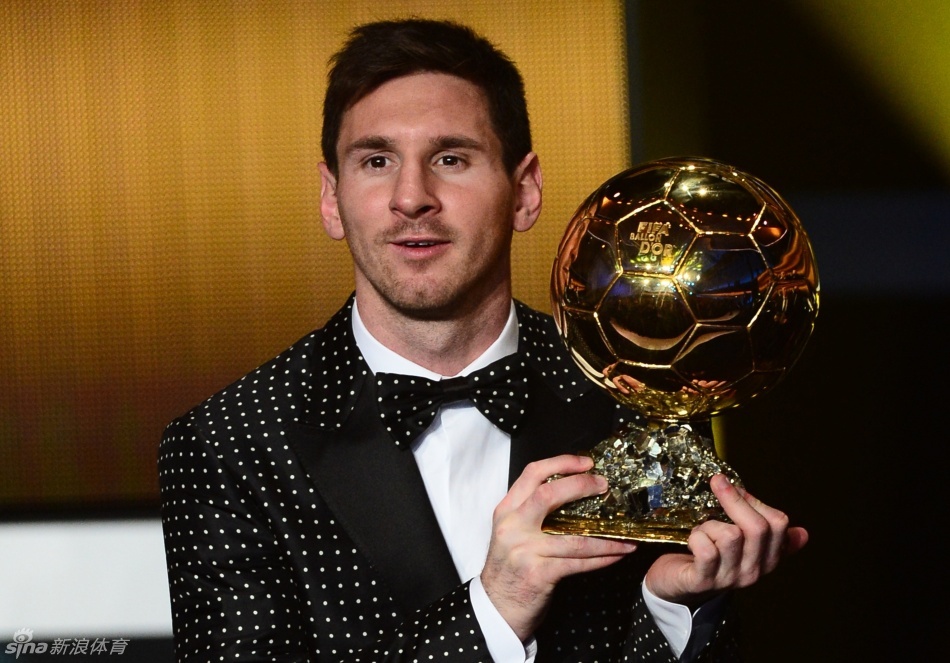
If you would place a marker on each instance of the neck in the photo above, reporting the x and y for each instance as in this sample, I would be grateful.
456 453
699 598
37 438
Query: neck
444 344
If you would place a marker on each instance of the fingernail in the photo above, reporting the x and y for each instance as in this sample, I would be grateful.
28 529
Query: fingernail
721 481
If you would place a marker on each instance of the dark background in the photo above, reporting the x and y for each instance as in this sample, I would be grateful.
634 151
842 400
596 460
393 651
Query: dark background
851 444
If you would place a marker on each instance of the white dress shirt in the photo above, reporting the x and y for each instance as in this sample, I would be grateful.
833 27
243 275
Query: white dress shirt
463 459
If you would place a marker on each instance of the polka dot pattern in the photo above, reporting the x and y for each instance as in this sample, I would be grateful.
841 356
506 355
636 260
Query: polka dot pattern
262 569
408 404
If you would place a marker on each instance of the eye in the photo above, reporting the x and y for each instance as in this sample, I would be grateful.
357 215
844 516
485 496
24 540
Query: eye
377 162
450 160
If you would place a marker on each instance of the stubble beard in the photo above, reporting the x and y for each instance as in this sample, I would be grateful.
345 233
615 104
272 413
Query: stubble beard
422 297
428 299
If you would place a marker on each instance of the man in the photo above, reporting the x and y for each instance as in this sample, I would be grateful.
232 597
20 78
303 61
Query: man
306 517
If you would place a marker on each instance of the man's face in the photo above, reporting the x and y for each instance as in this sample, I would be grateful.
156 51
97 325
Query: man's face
423 199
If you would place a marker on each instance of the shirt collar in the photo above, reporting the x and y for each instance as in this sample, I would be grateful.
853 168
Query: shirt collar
379 358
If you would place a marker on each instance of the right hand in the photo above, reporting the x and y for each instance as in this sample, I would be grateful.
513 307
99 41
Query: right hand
524 563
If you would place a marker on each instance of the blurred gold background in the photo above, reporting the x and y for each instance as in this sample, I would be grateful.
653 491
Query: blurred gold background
159 198
159 201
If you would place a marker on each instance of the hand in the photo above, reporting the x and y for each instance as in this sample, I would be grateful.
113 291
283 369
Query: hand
726 556
525 564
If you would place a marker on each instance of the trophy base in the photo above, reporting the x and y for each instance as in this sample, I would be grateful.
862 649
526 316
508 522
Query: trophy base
627 530
658 485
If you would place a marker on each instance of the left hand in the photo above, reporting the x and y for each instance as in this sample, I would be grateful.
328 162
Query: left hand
525 564
726 556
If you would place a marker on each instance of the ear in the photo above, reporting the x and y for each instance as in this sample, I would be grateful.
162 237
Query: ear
528 183
329 205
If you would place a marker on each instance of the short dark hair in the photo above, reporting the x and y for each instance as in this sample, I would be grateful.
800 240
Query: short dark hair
378 52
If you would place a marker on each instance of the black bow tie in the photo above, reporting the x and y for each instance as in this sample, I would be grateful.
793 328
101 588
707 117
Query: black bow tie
408 404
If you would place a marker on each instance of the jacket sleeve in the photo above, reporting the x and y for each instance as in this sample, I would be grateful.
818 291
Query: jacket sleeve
601 616
716 643
238 592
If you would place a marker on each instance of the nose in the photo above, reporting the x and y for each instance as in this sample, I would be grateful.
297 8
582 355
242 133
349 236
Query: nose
414 191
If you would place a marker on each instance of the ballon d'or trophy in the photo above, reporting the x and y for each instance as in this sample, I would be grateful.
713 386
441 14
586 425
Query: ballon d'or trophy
683 287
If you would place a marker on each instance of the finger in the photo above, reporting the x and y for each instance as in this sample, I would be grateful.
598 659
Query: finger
706 557
786 540
777 519
761 538
795 540
537 472
739 505
549 571
578 554
585 547
717 550
552 494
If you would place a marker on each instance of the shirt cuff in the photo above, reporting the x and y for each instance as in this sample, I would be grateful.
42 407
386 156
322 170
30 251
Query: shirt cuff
503 644
678 625
673 619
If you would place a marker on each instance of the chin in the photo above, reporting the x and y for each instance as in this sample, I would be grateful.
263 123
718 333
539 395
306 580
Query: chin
427 305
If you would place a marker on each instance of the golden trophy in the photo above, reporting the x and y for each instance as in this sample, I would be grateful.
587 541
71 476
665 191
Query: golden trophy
683 287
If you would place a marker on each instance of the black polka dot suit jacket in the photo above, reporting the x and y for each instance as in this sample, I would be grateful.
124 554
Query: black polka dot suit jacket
296 530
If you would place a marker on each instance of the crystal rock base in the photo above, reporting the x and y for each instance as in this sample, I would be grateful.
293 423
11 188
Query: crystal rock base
658 486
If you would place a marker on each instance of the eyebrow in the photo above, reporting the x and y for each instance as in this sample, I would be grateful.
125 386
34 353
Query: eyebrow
456 141
448 142
370 143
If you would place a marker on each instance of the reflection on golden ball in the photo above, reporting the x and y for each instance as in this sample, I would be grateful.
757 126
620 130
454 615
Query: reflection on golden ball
684 287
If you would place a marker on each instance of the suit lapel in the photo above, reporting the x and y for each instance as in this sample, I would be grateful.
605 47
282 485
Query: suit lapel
377 494
373 488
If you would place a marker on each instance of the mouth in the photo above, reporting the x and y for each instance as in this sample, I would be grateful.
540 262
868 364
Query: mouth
419 244
420 248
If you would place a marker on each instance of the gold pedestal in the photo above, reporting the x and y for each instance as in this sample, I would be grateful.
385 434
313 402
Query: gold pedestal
658 485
